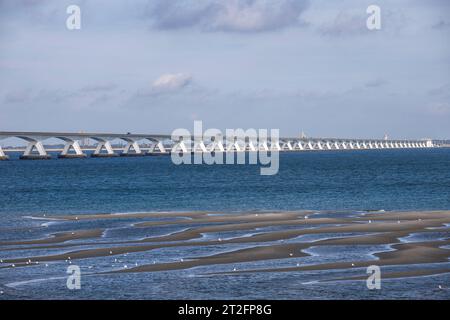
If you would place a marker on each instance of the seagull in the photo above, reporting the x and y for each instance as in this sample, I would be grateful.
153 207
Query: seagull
136 264
1 260
234 269
76 218
1 292
398 221
370 221
46 264
440 287
181 259
291 254
110 252
125 266
220 239
306 217
13 265
353 264
298 264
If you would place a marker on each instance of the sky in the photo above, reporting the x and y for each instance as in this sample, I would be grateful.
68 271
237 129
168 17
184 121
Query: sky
151 66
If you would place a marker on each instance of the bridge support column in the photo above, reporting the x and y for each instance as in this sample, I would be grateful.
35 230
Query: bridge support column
218 146
104 144
336 145
200 145
275 146
264 146
132 145
72 145
179 147
251 146
289 146
160 146
3 156
31 147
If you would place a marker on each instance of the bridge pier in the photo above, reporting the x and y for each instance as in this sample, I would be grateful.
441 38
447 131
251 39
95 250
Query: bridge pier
131 145
3 156
299 145
288 145
103 144
160 146
275 146
31 147
251 146
75 145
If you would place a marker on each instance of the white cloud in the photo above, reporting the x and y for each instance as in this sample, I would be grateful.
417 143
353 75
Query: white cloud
171 82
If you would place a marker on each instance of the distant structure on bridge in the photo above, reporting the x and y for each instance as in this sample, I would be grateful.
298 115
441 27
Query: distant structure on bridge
76 144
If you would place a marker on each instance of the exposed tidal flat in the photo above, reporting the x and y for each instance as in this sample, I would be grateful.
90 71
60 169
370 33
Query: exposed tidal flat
138 255
144 228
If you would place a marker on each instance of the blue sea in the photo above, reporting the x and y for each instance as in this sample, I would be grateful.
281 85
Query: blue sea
329 181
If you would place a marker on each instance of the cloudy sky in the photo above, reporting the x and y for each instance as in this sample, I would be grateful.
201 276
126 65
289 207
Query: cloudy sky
155 65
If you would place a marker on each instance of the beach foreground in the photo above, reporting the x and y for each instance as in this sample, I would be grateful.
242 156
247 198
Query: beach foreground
322 247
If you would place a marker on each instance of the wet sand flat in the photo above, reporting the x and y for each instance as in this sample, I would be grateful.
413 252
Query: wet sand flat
263 236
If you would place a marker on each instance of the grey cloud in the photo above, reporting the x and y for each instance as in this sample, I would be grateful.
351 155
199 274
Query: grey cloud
17 96
345 24
232 16
375 83
98 88
443 90
441 24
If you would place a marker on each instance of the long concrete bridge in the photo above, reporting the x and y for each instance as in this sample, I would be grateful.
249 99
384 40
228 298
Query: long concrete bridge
164 144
